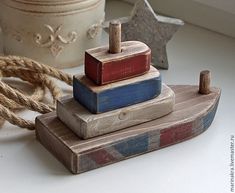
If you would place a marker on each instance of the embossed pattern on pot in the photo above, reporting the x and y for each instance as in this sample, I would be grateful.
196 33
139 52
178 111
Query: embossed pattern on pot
59 31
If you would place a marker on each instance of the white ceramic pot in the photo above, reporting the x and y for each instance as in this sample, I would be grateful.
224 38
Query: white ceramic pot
55 32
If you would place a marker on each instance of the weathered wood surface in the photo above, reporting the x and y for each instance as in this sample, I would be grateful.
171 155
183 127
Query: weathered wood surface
87 125
115 37
100 99
205 80
193 114
103 67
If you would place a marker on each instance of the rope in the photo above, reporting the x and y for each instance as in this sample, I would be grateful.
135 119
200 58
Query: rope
23 100
14 119
14 61
37 96
39 76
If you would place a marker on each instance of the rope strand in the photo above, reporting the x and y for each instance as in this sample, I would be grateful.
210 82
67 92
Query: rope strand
35 66
38 75
14 119
24 100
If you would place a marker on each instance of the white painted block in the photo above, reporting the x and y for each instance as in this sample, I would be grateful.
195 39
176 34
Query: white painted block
87 125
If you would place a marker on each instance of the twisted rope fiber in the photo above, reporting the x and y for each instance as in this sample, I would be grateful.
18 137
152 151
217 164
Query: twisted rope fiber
36 78
38 95
24 100
27 63
14 119
38 75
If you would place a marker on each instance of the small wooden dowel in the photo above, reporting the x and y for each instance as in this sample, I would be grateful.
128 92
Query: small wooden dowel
205 80
115 37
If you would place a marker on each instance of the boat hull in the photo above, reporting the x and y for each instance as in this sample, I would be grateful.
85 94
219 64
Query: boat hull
192 115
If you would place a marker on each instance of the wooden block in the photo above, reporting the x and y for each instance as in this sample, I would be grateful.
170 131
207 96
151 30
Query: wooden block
87 125
193 114
100 99
103 67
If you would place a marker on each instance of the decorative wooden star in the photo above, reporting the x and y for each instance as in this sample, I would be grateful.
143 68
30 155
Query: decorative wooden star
154 30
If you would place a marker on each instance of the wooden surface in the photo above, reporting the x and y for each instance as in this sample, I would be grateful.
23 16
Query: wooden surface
100 99
115 37
193 114
87 125
103 67
205 81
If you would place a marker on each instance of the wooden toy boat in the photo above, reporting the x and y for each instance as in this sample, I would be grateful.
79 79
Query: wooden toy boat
130 106
193 114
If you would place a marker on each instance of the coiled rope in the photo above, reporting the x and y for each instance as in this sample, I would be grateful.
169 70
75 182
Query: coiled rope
38 75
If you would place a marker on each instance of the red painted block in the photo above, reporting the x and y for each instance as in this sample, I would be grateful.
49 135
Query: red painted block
175 134
103 67
101 157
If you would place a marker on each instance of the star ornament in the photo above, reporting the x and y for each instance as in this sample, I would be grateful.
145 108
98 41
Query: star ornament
146 26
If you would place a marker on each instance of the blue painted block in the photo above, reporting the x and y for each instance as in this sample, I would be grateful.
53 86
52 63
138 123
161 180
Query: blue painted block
137 145
99 99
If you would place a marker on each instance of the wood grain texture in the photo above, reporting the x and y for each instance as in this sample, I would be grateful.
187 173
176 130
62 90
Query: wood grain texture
100 99
87 125
193 114
115 37
205 81
103 67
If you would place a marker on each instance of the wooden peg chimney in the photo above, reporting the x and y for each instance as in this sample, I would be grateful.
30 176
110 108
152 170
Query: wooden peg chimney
115 32
205 80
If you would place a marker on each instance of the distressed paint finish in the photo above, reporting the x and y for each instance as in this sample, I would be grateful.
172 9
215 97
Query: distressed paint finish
154 30
103 67
175 133
87 125
193 115
100 99
207 120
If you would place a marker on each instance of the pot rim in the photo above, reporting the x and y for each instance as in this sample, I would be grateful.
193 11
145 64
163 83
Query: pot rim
58 7
49 2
